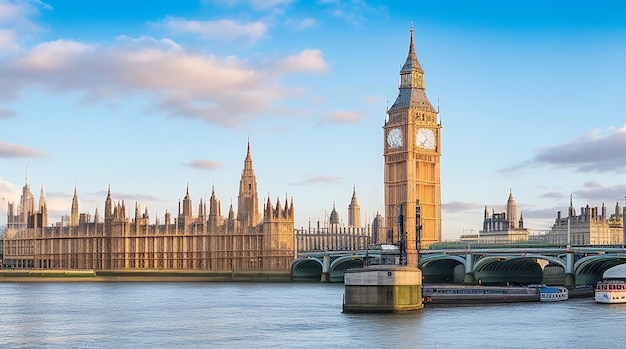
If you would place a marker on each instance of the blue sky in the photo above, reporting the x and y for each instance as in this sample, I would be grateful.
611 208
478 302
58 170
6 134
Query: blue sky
151 96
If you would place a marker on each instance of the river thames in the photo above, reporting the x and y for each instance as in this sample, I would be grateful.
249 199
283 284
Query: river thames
281 315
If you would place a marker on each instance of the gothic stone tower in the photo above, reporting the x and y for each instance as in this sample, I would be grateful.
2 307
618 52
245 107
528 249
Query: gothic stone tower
74 216
354 211
278 222
412 152
248 207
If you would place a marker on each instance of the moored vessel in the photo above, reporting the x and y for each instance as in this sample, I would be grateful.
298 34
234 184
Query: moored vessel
553 293
610 291
581 291
461 294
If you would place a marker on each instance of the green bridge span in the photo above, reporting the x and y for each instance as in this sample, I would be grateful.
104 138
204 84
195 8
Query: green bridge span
583 265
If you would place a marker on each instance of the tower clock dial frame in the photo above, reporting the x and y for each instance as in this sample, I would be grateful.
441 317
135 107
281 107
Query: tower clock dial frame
394 138
426 139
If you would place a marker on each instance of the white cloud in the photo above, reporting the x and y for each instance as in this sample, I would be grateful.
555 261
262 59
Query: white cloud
8 150
372 99
596 152
599 193
457 206
7 113
224 30
205 164
599 151
342 117
257 4
11 11
347 117
54 56
319 179
307 61
9 192
8 41
16 23
179 82
303 24
266 4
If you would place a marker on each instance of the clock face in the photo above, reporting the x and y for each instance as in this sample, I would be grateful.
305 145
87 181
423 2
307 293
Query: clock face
394 138
425 138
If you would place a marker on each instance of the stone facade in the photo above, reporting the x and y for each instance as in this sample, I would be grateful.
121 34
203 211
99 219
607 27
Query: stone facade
590 227
412 153
335 236
204 241
501 227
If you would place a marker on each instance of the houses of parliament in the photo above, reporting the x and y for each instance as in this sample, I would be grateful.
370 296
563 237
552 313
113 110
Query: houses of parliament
206 241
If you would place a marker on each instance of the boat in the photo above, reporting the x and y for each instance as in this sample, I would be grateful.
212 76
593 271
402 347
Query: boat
581 291
465 294
553 293
610 291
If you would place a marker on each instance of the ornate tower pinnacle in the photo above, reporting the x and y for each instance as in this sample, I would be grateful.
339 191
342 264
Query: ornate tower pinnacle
108 207
214 208
27 202
354 211
248 203
334 216
74 213
187 208
43 207
511 211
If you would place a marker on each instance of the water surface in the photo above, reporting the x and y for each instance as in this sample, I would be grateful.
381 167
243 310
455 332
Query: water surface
281 315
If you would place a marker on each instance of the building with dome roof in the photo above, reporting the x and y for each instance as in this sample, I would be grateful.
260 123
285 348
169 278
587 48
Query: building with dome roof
334 235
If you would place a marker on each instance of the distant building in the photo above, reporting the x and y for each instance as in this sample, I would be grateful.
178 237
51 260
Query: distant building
354 211
2 229
501 227
590 227
203 241
25 213
334 236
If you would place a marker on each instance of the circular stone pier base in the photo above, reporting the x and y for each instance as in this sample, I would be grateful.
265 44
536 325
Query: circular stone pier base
382 289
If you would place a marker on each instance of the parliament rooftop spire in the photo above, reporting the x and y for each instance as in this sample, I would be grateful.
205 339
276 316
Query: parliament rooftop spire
74 216
248 204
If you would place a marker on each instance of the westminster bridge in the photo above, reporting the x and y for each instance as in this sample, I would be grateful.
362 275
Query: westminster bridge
558 265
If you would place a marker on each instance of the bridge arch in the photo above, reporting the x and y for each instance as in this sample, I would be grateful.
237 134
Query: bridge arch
442 268
341 264
590 269
504 257
501 269
306 269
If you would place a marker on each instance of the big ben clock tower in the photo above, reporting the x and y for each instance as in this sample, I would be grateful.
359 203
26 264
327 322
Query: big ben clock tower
412 152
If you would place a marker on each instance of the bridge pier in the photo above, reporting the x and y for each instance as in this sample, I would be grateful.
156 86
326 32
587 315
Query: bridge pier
325 268
570 276
383 289
570 280
469 270
469 279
